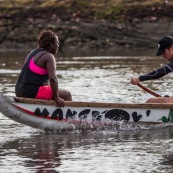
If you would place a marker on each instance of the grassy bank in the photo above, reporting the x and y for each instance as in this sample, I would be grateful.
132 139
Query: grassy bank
94 24
90 10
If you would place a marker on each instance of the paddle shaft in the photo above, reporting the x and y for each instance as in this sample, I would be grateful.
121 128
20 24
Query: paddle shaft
149 91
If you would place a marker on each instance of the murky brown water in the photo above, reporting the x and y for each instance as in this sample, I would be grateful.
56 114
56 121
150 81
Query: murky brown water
101 77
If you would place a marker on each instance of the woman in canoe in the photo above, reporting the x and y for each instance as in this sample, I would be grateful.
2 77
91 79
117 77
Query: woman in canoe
38 78
165 49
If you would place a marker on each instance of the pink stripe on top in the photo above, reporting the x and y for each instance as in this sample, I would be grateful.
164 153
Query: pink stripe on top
36 69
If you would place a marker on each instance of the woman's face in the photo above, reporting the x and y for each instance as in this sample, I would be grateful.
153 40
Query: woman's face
55 45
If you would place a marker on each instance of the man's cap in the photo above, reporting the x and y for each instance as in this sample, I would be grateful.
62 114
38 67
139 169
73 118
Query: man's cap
164 43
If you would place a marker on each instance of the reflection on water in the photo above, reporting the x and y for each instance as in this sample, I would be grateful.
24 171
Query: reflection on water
110 151
129 148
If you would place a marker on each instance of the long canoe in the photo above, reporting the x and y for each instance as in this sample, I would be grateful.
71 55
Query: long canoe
44 114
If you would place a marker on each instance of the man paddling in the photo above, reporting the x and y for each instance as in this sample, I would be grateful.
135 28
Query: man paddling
165 49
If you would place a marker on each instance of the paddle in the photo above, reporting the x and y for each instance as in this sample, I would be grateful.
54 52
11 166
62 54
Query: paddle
149 91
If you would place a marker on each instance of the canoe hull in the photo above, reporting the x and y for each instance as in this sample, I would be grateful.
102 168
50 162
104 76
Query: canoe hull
80 115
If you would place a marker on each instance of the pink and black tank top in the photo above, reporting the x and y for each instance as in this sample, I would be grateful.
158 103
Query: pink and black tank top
31 77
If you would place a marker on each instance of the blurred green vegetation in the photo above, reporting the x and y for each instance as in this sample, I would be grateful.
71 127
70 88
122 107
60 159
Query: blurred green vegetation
92 9
85 24
91 3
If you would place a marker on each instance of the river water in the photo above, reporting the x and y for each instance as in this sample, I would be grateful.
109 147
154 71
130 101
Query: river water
103 77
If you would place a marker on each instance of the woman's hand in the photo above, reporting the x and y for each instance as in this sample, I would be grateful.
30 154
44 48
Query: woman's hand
135 80
60 102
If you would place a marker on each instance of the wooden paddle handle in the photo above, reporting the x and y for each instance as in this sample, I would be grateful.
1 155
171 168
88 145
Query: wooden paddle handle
149 91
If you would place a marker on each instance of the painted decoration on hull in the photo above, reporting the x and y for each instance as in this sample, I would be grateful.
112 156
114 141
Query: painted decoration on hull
169 118
112 114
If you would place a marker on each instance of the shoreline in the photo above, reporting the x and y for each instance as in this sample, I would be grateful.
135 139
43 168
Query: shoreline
118 52
86 26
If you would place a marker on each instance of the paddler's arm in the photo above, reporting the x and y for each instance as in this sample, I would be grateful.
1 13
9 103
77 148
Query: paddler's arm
156 74
51 68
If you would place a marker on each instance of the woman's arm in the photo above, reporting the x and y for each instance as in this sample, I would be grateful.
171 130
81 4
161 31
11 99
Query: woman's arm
51 68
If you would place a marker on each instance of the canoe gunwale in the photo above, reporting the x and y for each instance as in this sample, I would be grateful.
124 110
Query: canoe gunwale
95 104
